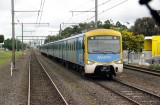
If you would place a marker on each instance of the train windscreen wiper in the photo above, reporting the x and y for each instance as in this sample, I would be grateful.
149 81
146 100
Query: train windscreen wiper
104 52
107 51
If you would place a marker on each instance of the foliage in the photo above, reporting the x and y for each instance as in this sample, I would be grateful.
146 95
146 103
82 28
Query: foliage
155 66
70 31
132 42
145 26
8 44
1 38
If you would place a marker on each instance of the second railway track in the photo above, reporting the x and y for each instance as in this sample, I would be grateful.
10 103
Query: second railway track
144 70
42 90
135 95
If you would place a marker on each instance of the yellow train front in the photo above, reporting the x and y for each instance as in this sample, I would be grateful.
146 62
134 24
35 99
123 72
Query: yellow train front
103 52
97 51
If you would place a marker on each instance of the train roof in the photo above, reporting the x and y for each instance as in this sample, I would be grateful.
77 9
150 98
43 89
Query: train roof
95 31
75 36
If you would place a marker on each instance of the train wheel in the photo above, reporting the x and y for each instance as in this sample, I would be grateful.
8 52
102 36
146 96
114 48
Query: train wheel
67 65
83 73
110 76
78 68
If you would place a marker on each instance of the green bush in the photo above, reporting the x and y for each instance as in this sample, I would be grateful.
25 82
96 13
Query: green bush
155 66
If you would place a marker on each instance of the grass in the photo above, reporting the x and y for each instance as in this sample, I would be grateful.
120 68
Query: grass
155 66
7 56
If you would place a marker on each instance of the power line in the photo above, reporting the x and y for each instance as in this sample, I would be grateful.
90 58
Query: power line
41 13
39 16
93 7
113 6
88 10
107 9
81 5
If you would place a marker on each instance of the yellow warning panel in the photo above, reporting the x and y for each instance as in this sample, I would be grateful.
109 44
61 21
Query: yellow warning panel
156 45
148 45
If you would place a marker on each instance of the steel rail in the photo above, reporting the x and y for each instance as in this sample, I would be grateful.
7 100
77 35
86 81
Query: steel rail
144 70
121 95
130 86
145 91
29 83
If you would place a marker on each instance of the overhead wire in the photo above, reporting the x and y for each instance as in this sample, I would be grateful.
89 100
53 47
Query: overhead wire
107 9
39 16
75 8
89 9
93 7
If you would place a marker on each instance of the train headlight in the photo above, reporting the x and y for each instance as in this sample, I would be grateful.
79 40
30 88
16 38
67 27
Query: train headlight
119 62
90 62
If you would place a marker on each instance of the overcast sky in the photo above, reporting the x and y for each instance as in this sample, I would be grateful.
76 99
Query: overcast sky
56 12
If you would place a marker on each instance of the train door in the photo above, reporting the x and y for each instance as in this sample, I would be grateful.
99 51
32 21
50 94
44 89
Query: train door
80 53
63 50
67 48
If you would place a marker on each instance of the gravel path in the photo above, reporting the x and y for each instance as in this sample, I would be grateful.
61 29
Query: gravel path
13 89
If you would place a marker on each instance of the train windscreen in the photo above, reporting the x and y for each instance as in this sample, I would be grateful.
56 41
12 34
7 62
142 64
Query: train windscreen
104 44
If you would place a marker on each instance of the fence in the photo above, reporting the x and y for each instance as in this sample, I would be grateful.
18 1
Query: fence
135 58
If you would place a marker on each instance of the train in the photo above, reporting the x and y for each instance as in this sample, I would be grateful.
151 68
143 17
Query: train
95 52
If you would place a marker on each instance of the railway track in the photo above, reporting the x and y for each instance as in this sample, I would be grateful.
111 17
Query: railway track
42 89
134 95
144 70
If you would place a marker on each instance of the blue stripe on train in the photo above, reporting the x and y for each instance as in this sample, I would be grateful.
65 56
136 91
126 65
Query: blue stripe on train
103 57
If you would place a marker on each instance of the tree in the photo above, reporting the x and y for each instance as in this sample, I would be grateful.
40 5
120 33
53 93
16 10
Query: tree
107 24
1 38
8 44
132 42
145 26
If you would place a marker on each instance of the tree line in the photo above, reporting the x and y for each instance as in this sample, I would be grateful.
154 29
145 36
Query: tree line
7 44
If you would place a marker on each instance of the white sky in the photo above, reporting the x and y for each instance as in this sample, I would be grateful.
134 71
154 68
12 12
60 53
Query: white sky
56 12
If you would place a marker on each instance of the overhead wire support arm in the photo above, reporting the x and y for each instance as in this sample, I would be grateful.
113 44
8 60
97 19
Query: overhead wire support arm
28 31
32 36
82 11
32 23
70 23
96 12
27 11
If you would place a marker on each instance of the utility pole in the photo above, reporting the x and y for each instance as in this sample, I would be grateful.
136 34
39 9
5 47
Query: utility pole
13 66
13 37
22 38
27 31
96 13
60 30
